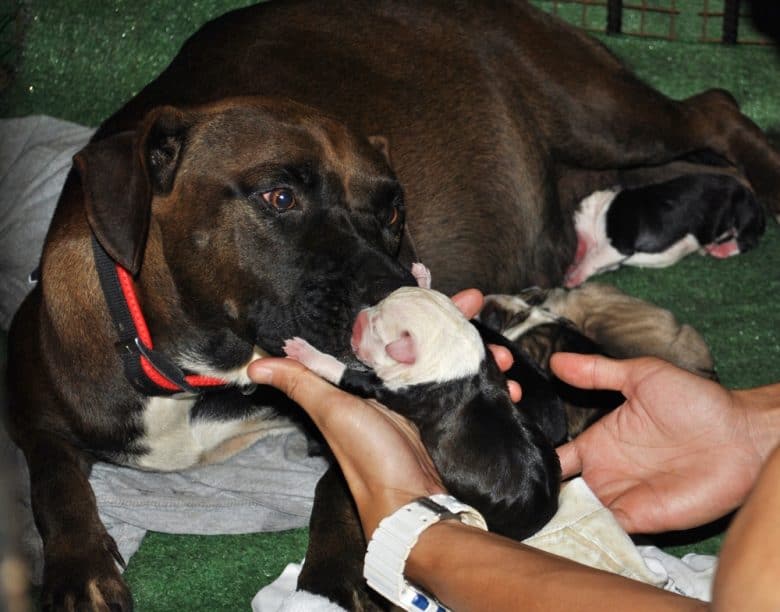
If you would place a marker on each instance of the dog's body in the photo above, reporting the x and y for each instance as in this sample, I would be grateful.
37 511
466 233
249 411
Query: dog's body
656 225
245 221
430 364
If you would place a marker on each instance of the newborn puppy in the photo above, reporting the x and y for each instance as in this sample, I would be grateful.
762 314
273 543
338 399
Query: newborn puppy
534 333
430 364
656 225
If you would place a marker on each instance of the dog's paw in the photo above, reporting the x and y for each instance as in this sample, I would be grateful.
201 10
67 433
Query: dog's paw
722 250
85 577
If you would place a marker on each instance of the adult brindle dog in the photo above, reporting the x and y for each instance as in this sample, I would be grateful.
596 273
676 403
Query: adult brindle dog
238 221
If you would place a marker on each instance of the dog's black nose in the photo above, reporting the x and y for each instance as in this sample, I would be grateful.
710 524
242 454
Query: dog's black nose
380 282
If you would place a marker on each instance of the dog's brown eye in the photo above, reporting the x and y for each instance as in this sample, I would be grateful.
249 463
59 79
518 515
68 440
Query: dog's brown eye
393 216
281 199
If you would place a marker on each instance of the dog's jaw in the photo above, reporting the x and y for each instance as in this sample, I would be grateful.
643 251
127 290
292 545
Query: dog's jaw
236 376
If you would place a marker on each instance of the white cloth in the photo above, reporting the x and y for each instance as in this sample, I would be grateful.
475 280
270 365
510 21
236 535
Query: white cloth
692 575
281 595
583 530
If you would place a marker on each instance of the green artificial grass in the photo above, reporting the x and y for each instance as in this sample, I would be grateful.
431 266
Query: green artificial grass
210 573
80 60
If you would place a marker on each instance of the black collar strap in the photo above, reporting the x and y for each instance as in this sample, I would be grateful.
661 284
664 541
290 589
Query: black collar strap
149 371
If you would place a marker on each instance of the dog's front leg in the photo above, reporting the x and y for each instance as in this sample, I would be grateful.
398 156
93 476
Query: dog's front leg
80 557
334 559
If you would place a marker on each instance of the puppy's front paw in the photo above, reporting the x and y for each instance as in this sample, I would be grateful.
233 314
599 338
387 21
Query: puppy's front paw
300 350
321 363
84 576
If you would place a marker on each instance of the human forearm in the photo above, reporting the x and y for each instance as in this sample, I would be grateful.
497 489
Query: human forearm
468 569
750 559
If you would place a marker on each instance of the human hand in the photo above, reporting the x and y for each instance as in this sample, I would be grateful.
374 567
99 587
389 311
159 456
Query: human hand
379 451
677 454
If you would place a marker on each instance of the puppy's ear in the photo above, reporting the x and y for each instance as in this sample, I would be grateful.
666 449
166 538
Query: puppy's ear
402 350
119 176
381 144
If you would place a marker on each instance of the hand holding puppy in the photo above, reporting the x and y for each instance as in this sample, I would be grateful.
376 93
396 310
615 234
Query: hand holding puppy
380 452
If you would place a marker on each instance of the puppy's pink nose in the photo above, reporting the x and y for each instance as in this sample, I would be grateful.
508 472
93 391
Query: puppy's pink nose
358 328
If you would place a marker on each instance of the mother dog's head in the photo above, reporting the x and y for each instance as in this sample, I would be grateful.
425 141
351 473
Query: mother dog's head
257 219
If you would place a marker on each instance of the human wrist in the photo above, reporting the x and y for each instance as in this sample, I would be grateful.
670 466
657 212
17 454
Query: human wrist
431 549
397 535
378 505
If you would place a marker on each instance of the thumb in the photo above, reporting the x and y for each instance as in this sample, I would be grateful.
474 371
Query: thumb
590 371
571 462
469 302
304 387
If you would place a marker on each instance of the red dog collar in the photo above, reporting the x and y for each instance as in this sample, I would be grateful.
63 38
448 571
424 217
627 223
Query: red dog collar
149 371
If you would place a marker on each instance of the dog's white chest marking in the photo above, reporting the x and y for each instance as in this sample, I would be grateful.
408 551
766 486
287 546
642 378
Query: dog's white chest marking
174 441
168 435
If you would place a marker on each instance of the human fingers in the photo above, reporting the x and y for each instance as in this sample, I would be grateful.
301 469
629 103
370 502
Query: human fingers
571 462
515 390
590 371
502 355
314 394
504 359
469 302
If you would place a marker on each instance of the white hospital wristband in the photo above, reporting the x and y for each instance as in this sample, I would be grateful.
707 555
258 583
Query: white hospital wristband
394 539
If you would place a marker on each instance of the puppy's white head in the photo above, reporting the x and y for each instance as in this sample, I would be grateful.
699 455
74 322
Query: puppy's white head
416 336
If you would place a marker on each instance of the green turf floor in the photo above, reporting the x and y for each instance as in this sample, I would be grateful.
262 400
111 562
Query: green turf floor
80 59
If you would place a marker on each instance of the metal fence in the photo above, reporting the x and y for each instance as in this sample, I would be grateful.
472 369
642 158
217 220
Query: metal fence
721 21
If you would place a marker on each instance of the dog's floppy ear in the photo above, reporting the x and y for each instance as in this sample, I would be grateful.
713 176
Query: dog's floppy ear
381 144
120 174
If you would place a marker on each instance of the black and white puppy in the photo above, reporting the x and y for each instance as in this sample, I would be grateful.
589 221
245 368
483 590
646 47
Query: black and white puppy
430 364
656 225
